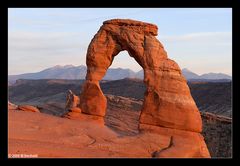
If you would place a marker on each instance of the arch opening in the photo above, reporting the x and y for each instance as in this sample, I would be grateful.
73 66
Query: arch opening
167 95
125 61
124 96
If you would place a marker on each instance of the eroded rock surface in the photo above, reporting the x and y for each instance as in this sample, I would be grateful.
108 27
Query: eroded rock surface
51 136
72 100
12 106
28 108
167 102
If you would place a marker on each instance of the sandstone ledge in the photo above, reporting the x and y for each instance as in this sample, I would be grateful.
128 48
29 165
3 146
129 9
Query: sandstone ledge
49 136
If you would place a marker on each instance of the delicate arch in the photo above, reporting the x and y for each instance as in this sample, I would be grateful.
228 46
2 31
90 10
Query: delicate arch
167 100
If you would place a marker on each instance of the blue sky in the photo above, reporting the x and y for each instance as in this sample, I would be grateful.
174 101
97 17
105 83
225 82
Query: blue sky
199 39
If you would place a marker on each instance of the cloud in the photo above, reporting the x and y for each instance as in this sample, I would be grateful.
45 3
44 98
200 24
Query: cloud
43 41
32 51
202 43
201 37
63 18
201 52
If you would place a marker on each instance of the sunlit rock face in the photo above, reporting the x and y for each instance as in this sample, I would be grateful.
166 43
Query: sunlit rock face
167 102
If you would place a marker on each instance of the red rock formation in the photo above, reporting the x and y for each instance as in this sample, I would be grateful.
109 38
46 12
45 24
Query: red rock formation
50 136
12 106
168 102
92 100
72 100
28 108
182 144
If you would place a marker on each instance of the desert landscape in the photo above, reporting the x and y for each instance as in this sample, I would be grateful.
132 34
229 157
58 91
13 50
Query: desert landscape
156 113
129 83
124 106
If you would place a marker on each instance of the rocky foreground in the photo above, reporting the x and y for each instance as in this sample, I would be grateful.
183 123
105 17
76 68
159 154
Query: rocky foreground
217 130
123 114
84 136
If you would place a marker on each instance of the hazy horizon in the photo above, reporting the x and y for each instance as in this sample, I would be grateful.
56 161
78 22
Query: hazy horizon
198 39
114 68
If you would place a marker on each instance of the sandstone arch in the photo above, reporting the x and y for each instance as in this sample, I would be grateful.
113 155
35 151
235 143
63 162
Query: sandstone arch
167 102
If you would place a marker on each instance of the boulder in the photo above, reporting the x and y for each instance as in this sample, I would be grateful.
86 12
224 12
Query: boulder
12 106
28 108
72 100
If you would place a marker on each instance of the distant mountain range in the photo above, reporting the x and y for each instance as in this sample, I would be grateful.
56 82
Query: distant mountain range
211 76
79 72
